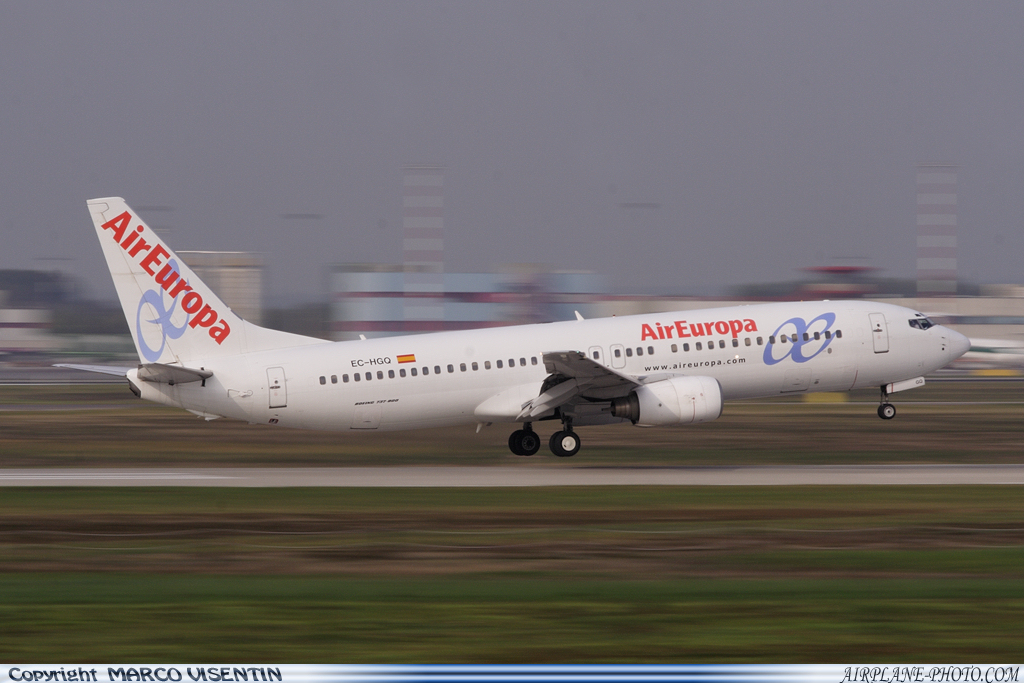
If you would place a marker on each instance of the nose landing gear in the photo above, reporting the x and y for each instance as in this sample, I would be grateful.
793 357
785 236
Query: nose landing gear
886 410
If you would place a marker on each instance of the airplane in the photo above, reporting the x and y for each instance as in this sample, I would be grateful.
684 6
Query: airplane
649 370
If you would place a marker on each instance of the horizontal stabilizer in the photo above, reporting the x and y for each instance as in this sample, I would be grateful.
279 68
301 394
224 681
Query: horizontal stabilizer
171 374
102 369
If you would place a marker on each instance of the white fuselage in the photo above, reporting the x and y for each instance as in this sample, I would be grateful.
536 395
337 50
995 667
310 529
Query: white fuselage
487 375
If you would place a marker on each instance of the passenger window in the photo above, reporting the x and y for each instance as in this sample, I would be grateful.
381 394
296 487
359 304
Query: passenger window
451 368
522 361
817 336
323 380
391 374
760 341
437 370
412 371
475 366
356 376
533 360
498 362
794 337
697 346
839 334
629 353
686 347
618 354
746 341
639 351
771 339
675 349
511 362
401 372
426 371
487 365
828 335
650 350
380 374
735 342
369 377
344 378
721 343
462 367
334 379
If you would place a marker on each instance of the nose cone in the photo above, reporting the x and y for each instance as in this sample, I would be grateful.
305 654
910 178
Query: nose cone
958 345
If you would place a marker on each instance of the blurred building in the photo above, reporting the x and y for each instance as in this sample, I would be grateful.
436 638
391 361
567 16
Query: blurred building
24 330
373 299
235 276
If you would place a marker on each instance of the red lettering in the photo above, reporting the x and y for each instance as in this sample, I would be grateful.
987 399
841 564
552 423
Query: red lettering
220 332
750 326
141 245
166 277
646 332
118 225
152 258
192 303
707 328
668 331
131 238
681 329
722 327
736 326
179 287
206 317
697 330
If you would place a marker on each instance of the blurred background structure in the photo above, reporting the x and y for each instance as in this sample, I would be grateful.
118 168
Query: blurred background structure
43 316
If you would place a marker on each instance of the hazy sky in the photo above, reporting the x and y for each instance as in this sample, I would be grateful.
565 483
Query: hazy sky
771 135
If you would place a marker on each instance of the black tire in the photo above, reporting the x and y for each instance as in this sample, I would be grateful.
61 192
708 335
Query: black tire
564 444
887 411
529 442
515 442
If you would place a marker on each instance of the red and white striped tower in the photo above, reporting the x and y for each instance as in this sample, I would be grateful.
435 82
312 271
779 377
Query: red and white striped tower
936 229
423 220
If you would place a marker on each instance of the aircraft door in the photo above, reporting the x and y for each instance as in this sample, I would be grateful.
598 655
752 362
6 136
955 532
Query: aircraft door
618 352
597 353
879 333
278 391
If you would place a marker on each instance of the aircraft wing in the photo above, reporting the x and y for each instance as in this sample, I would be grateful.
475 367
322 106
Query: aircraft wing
585 377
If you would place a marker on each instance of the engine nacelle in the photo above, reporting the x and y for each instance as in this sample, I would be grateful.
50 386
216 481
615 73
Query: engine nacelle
679 400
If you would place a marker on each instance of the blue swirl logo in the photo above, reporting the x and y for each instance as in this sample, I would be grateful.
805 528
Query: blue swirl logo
168 330
805 340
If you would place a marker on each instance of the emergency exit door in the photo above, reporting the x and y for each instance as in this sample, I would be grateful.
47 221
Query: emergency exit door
879 333
278 391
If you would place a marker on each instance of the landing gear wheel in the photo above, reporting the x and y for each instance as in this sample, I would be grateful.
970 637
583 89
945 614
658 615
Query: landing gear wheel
564 444
887 411
524 442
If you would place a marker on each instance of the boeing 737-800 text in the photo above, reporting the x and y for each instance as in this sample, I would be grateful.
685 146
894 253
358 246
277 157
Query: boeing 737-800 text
659 369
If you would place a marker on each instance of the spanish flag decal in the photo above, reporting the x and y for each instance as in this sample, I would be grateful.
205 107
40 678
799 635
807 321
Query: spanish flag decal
407 358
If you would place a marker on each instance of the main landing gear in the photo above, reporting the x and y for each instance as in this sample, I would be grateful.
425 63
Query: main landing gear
564 444
886 410
524 441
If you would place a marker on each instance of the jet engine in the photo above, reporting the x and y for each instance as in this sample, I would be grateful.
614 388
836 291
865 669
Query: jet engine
678 400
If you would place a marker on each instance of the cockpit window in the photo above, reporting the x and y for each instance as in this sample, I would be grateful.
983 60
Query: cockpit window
921 323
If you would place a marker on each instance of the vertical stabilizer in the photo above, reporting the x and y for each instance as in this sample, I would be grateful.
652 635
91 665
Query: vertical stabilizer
173 316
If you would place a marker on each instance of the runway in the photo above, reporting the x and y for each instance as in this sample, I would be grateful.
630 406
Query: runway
529 474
